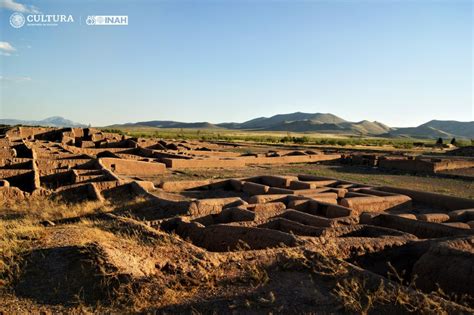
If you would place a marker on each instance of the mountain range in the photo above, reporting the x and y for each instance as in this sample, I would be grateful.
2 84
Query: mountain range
295 122
327 123
55 121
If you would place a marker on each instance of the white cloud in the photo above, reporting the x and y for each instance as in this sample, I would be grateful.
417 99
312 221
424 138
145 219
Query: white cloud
6 47
14 6
15 79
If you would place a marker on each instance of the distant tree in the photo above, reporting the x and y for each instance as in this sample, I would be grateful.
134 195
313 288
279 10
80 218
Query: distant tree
439 141
453 141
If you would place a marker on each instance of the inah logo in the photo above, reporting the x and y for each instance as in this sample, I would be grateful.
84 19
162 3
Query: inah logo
107 20
17 20
90 20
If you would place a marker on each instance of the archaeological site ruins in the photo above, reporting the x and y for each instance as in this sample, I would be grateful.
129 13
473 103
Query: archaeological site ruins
416 242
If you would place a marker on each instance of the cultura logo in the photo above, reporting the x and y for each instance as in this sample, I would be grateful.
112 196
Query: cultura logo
17 20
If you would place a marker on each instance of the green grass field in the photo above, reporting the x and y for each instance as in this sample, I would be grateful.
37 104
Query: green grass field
277 137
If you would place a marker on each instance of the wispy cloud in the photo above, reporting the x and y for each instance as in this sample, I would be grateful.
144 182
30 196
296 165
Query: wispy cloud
6 46
6 49
15 6
15 79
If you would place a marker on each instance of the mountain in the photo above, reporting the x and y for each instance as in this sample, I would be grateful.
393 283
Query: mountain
55 121
459 128
437 129
264 123
305 122
294 122
328 123
363 127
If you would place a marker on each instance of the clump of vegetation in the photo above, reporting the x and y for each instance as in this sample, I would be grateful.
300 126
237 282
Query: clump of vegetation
112 130
15 239
49 209
274 138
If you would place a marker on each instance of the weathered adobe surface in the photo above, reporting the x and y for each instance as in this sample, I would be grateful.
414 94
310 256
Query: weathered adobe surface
214 240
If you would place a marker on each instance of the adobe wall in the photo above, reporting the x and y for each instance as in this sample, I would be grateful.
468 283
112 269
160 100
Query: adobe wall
196 163
23 151
432 199
47 164
26 132
421 229
407 165
185 162
424 164
129 167
290 159
7 153
26 180
452 164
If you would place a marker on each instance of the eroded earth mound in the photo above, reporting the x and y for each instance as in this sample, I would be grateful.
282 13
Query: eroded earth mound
267 243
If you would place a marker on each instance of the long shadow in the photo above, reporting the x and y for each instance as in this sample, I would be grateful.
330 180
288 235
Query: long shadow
367 170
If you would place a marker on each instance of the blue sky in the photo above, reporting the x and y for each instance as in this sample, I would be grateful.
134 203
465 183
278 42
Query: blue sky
399 62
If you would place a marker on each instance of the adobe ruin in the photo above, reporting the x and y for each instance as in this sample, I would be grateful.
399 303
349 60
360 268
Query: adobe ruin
418 233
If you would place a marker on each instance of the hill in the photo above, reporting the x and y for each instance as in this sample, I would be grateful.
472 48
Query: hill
272 123
55 121
327 123
293 122
437 129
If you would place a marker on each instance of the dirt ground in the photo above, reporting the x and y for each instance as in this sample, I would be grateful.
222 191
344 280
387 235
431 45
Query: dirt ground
94 222
360 174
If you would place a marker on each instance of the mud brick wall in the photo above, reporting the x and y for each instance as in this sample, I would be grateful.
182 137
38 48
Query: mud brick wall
436 200
407 165
46 164
26 180
452 164
291 159
129 167
23 151
195 163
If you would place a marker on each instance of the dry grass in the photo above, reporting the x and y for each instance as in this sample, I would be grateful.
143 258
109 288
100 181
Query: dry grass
20 229
15 239
20 226
357 295
49 209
